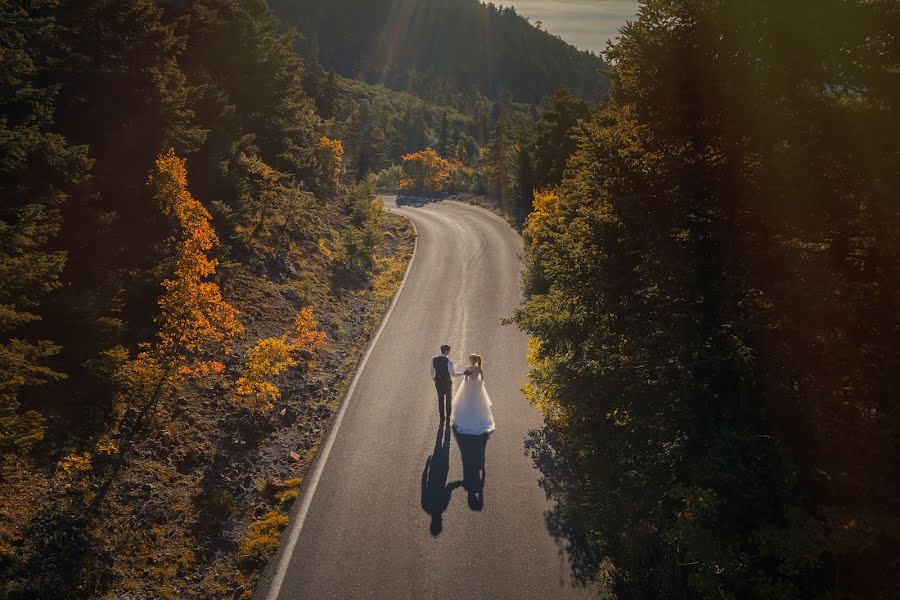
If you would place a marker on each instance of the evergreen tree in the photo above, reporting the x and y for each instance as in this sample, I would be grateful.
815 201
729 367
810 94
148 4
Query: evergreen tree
554 139
123 95
525 171
698 285
443 142
38 169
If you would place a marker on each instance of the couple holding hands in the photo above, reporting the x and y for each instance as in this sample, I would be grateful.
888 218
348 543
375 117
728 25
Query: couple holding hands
469 411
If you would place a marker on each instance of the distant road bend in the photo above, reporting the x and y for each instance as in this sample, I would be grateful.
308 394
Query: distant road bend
395 505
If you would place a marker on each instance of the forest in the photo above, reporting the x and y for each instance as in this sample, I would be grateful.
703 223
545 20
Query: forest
193 258
713 298
179 245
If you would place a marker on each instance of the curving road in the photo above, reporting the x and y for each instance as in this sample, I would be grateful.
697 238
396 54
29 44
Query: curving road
398 507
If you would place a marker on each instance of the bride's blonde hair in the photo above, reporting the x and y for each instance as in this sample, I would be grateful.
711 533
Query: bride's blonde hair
475 360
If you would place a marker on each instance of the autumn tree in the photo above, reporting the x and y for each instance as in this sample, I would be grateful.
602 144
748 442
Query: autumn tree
196 327
331 164
425 172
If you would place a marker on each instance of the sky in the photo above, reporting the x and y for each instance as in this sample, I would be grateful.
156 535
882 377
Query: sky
586 24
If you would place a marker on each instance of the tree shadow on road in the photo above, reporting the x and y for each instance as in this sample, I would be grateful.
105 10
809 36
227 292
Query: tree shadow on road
566 521
418 201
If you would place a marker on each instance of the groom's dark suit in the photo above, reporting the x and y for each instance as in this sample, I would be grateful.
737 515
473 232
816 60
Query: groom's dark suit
443 383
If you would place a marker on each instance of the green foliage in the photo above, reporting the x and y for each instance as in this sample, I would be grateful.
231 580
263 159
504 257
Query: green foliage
378 125
91 92
553 138
37 170
389 179
364 235
712 289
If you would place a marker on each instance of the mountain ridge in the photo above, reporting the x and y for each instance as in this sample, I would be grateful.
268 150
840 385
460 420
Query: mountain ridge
408 45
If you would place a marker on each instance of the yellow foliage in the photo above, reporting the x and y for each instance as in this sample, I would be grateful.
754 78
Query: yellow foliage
290 492
261 539
106 445
327 252
425 171
534 351
266 360
331 157
546 205
74 464
72 469
272 356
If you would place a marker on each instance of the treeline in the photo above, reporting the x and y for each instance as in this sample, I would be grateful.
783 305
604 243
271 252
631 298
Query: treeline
379 126
714 295
446 51
513 155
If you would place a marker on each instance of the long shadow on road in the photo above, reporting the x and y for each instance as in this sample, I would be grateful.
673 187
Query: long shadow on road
436 491
471 451
565 521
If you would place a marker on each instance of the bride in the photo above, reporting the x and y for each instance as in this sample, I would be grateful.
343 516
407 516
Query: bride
471 408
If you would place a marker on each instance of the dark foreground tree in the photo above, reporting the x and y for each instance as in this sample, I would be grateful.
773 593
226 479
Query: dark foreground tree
715 300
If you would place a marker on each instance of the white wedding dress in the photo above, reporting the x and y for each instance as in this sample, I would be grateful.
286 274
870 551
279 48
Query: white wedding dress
470 412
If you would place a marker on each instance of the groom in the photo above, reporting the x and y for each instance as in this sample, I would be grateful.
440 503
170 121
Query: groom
442 370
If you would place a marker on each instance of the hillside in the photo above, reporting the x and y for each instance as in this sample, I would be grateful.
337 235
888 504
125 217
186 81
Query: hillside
187 283
441 48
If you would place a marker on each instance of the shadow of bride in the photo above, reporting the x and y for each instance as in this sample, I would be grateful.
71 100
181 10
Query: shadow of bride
471 450
435 491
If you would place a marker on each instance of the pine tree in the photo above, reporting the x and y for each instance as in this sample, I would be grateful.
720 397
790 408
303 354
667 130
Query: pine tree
443 142
37 169
554 139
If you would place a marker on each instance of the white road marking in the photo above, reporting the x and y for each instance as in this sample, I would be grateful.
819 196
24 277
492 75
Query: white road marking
296 526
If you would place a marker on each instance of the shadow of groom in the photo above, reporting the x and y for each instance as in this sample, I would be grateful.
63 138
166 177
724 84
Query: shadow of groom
436 491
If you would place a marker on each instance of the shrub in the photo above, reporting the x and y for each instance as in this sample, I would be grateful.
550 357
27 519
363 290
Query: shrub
425 172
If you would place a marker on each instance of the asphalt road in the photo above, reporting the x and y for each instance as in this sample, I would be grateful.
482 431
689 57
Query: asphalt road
397 506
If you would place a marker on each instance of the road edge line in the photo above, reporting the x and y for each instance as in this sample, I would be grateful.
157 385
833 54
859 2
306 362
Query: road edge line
296 525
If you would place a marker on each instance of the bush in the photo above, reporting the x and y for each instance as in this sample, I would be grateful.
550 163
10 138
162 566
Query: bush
425 172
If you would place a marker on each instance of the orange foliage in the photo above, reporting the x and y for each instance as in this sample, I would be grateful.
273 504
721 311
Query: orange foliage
194 317
425 171
306 336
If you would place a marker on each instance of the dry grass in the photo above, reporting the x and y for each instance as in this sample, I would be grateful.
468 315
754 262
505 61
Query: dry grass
262 537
